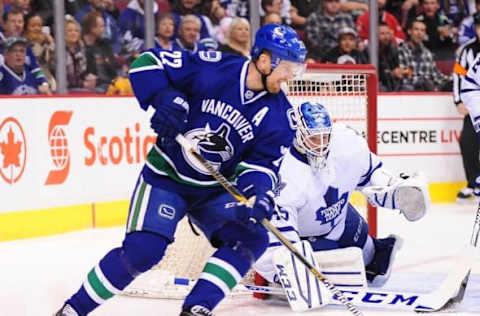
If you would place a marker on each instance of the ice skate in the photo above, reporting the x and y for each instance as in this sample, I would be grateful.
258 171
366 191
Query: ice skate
196 310
465 196
66 310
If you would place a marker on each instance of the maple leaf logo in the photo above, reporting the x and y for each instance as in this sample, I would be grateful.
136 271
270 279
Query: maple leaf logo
334 205
11 150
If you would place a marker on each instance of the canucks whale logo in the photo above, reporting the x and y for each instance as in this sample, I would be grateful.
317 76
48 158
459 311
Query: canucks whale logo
213 145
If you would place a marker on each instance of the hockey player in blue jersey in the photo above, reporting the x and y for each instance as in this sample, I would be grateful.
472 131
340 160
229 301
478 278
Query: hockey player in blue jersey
234 112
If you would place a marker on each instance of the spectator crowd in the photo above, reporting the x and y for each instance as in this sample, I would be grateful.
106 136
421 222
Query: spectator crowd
103 36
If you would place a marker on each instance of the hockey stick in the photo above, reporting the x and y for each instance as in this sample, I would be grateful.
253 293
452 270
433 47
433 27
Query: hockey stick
473 243
185 143
368 298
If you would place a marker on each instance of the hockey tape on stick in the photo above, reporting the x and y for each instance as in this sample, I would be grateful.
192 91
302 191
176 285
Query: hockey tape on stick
185 143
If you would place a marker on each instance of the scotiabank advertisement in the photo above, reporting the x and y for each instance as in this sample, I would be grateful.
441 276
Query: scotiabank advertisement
67 151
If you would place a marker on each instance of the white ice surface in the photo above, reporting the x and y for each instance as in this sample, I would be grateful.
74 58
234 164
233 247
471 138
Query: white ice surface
37 275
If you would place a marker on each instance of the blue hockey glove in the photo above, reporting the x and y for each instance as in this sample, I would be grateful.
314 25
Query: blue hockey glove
170 119
263 207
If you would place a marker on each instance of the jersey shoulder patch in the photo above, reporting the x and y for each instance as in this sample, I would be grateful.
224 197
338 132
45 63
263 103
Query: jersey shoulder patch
210 56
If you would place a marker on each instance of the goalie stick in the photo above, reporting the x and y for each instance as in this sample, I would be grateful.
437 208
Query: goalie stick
439 299
436 300
185 143
473 243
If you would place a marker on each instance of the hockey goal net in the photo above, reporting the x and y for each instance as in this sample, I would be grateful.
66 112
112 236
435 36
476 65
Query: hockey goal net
349 92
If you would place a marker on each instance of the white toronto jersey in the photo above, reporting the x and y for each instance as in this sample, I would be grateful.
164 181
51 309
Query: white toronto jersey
470 92
320 198
315 203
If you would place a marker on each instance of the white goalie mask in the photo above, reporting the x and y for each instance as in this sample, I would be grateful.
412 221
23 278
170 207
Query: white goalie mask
313 133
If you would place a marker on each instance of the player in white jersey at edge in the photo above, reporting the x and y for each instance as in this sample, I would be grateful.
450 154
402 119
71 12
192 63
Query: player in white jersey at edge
470 94
326 163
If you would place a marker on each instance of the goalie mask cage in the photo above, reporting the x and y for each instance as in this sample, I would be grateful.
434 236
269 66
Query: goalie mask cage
349 92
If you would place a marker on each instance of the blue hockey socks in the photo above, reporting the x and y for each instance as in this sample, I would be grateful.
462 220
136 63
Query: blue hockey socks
140 251
220 275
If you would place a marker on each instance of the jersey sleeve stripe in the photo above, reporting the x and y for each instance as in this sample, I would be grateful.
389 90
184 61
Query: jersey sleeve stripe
459 70
286 229
471 80
369 174
160 163
468 90
267 171
277 243
146 61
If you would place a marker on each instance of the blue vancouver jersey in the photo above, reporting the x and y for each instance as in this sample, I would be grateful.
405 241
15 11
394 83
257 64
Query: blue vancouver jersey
12 83
241 132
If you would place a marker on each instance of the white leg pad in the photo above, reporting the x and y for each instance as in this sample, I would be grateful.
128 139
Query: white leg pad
303 290
343 267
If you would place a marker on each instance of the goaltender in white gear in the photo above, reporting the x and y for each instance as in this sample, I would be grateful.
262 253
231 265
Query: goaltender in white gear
326 163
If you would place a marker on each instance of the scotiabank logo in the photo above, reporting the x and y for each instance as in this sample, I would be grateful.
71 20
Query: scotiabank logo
59 152
128 147
13 150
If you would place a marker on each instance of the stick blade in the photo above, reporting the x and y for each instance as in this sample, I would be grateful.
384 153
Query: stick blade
452 289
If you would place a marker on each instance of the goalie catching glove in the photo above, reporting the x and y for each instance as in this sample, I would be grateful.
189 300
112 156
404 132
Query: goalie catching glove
408 194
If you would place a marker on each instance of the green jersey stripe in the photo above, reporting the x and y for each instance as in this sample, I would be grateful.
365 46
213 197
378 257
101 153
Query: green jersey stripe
147 59
138 205
143 208
91 293
103 279
158 163
98 286
131 207
227 266
220 273
243 166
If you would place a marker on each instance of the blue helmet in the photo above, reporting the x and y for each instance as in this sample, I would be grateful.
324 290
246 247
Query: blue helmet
313 133
281 41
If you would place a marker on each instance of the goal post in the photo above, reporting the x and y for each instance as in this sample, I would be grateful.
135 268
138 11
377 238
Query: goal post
349 93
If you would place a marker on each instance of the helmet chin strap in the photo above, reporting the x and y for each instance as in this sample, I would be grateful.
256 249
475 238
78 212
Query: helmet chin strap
264 76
